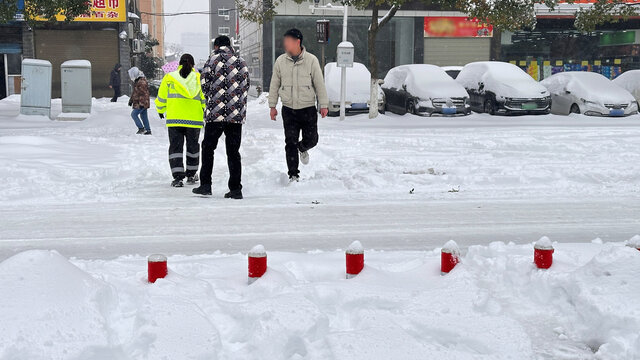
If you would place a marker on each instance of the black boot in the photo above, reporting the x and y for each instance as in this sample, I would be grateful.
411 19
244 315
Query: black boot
140 131
177 183
202 190
233 194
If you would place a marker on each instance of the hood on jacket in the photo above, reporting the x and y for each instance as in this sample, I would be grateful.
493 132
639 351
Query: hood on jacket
224 50
117 66
135 73
190 85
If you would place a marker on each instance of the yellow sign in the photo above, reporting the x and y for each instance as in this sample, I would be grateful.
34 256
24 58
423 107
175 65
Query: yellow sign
512 62
597 62
102 11
617 61
523 63
558 62
585 63
546 63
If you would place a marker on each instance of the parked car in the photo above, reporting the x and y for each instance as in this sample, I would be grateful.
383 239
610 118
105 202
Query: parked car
358 89
424 89
588 93
630 81
497 87
452 71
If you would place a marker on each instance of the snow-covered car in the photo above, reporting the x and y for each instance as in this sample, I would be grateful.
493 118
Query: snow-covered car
588 93
452 71
630 81
424 89
497 87
358 89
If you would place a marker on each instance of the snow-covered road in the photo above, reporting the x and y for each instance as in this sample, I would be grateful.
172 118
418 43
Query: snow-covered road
94 189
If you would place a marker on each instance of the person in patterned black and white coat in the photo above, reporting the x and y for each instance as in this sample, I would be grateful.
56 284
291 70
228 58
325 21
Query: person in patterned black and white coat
225 84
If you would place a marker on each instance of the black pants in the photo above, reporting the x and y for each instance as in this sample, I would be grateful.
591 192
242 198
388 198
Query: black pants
177 136
116 94
303 121
232 139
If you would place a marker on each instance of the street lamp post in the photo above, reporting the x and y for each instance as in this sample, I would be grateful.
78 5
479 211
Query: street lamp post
343 74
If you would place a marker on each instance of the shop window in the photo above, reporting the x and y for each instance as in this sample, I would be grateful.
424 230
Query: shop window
224 30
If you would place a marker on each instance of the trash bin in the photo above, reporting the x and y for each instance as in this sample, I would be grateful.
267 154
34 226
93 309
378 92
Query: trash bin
35 97
75 79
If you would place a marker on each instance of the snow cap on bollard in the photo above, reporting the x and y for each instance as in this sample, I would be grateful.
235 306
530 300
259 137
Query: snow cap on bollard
543 253
355 259
634 242
257 263
156 267
450 257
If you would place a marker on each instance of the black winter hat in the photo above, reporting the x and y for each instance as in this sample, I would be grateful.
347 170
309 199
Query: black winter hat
294 33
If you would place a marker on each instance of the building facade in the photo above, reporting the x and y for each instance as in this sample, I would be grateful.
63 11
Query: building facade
154 24
412 36
222 20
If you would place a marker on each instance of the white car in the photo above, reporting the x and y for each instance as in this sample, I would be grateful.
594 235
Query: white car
497 87
424 89
588 93
452 71
630 81
358 89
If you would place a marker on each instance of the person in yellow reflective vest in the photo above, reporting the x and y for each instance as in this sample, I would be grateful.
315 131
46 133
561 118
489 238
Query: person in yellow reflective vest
181 103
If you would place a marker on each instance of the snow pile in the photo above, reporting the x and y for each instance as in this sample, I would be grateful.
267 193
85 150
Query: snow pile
544 243
425 81
493 305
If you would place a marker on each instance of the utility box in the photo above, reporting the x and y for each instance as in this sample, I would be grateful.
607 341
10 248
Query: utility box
345 54
75 79
35 97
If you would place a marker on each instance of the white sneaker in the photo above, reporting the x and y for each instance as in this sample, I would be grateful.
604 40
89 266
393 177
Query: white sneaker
304 157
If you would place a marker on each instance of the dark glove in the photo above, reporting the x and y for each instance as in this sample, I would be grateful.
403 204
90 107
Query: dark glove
161 116
130 102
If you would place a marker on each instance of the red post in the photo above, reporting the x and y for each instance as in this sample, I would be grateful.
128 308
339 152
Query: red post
354 259
543 253
156 267
449 257
257 263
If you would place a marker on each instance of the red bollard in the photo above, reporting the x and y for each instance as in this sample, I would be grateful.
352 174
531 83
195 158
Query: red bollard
634 242
449 257
355 259
156 267
543 253
257 263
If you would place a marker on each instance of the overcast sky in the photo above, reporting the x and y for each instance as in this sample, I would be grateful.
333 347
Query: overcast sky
176 26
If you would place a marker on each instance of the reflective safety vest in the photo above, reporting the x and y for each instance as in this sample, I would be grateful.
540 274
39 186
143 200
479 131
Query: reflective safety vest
181 100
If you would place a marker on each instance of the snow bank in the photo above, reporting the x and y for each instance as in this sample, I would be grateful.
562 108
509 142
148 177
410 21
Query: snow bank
494 306
544 243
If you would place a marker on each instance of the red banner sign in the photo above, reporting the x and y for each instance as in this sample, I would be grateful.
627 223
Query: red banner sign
455 26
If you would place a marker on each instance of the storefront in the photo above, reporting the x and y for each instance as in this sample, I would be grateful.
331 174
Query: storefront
555 45
456 40
10 59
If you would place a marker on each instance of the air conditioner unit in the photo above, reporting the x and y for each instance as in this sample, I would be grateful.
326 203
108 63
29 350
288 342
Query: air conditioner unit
138 46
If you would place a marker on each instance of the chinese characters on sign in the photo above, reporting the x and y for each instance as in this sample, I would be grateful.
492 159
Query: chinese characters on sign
103 10
456 26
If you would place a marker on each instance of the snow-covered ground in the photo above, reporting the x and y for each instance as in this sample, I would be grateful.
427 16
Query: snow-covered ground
402 185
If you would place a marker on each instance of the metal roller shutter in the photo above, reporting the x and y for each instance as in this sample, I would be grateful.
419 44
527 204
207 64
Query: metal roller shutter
456 51
100 47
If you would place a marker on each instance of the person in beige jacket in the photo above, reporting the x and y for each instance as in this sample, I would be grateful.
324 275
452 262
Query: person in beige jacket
297 80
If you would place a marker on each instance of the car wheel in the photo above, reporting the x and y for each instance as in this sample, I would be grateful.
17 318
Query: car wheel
575 109
489 107
411 106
